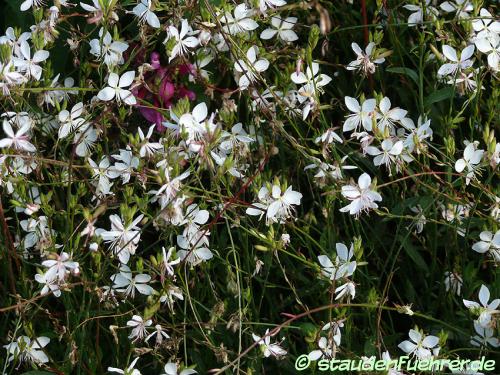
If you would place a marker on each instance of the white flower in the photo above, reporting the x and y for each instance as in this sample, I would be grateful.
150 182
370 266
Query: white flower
9 77
485 309
328 137
197 125
193 219
70 120
18 140
130 370
148 148
241 22
26 4
326 349
489 243
27 350
455 213
460 7
343 266
486 25
145 14
85 138
170 190
312 84
183 41
51 97
138 327
328 170
490 44
171 293
278 206
39 232
194 252
417 136
417 17
361 196
362 114
420 219
265 344
282 28
127 284
453 282
171 369
117 88
456 65
60 267
347 289
100 11
464 82
281 207
160 335
334 331
230 140
389 154
365 61
126 165
265 4
169 263
312 81
29 65
485 336
111 51
251 68
259 208
49 285
472 157
420 346
387 117
123 239
102 175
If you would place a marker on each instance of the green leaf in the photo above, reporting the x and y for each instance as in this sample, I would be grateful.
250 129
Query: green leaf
415 255
37 372
405 71
307 328
439 96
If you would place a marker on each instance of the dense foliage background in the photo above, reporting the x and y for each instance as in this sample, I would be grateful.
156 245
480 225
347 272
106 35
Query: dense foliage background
95 182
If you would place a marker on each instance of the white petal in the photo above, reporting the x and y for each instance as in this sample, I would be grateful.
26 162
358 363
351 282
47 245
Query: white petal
430 341
126 79
407 346
385 105
268 34
128 97
484 295
460 165
153 20
144 289
415 335
481 247
364 181
450 53
273 209
352 104
113 80
200 112
40 56
106 94
467 52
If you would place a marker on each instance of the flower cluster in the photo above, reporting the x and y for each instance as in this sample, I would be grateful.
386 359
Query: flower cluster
175 175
